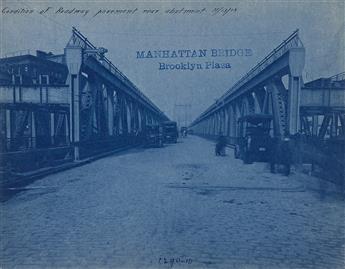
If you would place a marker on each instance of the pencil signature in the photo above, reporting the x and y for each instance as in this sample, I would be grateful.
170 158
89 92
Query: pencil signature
174 261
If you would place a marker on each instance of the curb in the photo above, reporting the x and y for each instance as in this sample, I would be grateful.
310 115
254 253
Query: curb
18 184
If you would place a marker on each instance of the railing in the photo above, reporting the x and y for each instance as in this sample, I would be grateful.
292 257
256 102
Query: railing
331 97
338 77
292 41
97 146
230 140
25 143
112 68
37 94
18 53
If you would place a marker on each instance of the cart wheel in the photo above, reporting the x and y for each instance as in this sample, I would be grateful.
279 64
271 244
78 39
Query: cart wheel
246 157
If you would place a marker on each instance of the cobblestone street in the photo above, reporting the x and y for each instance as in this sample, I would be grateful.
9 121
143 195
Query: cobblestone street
178 206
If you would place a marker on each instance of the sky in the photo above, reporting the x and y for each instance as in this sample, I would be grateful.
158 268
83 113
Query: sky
256 25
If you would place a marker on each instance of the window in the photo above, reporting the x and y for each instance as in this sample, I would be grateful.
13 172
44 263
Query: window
17 79
44 79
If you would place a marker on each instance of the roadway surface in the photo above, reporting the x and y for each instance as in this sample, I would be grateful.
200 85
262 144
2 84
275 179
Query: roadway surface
179 206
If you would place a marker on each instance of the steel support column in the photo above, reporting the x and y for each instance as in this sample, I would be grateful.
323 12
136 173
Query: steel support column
110 107
294 104
296 65
74 61
315 124
52 128
8 128
33 130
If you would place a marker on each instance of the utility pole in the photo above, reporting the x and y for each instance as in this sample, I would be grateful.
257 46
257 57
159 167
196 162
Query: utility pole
183 111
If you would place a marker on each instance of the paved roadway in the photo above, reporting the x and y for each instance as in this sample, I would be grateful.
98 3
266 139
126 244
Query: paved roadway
178 206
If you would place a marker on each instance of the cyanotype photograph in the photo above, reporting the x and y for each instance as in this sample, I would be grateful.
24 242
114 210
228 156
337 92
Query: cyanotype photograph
172 134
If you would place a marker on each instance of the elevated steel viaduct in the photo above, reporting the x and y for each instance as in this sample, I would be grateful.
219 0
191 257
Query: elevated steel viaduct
261 90
314 112
60 108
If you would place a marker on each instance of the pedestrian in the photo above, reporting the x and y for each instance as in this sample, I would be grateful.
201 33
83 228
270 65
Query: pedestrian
220 145
286 154
273 153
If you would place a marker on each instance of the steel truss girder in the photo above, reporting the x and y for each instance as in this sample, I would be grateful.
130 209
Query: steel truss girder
35 107
92 64
277 69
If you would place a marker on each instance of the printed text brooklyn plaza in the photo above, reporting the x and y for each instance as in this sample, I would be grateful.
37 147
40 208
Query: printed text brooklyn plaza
193 66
